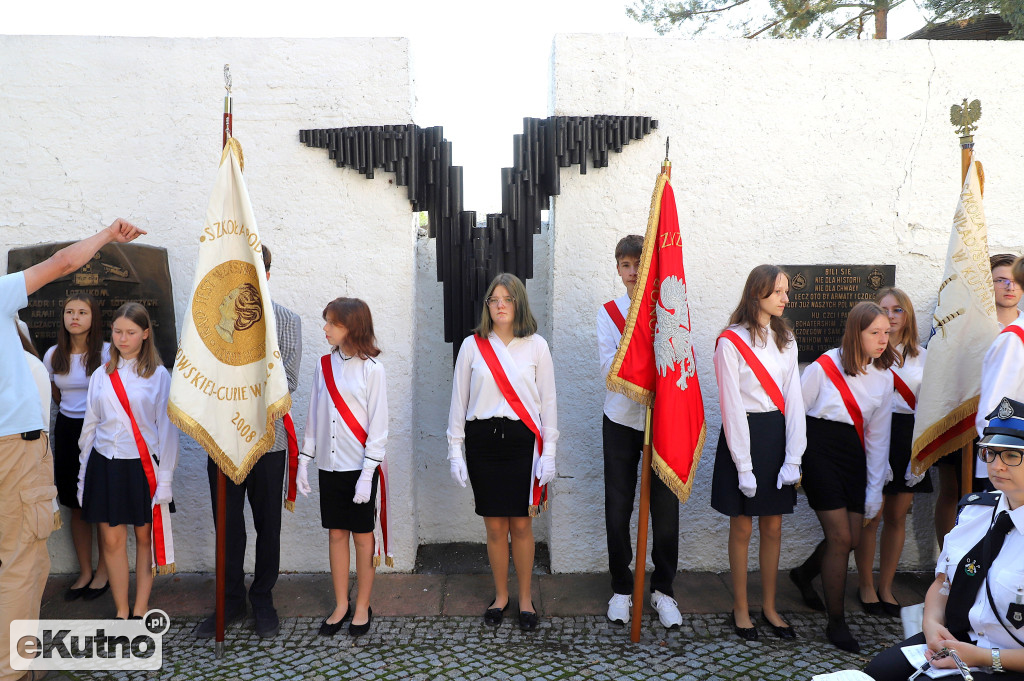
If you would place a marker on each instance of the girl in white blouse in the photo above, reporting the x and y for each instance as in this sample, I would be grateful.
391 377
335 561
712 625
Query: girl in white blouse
79 351
848 399
113 487
508 459
347 439
763 437
898 493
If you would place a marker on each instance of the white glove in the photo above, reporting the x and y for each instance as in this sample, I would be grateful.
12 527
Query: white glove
81 493
789 474
163 492
912 479
364 486
888 474
545 469
871 509
460 474
302 477
748 484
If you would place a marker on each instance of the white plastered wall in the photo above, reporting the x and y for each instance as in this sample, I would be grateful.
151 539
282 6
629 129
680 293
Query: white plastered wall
788 152
94 128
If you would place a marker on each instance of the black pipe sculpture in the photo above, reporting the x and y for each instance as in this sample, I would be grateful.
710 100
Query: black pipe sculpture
470 255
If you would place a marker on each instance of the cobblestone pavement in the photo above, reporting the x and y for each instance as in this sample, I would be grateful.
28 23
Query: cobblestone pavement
586 648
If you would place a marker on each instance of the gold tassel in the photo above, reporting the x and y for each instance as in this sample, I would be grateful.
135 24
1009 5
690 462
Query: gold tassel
376 561
535 510
289 505
168 569
57 522
389 561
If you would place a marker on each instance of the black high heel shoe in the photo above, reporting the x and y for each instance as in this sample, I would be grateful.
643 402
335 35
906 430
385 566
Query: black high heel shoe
494 616
360 629
785 632
746 633
332 629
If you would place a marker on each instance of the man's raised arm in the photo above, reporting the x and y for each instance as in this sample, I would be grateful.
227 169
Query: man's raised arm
70 258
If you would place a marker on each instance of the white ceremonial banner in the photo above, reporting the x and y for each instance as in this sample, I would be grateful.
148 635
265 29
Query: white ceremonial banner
228 385
963 326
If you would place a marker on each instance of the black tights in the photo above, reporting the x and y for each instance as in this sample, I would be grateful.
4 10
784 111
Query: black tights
831 558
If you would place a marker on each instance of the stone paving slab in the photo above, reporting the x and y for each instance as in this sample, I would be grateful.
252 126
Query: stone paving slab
574 648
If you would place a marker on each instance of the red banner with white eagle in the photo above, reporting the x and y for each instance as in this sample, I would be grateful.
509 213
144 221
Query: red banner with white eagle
655 364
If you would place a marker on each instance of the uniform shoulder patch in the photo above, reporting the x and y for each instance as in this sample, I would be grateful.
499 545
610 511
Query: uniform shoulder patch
981 499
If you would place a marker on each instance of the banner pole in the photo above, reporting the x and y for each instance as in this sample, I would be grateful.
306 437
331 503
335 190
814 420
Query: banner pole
640 573
967 452
221 478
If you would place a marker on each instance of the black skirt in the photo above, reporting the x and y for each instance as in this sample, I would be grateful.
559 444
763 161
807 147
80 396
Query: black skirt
835 467
116 492
66 464
900 441
767 454
499 456
337 510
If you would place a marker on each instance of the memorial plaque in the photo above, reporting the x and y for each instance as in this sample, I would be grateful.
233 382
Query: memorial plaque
118 274
820 296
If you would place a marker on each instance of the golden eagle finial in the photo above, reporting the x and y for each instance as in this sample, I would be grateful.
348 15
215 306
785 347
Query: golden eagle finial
963 116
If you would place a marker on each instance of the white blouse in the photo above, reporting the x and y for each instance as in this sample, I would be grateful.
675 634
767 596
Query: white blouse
1002 375
107 428
740 393
873 391
74 384
1005 575
475 395
617 407
911 372
361 383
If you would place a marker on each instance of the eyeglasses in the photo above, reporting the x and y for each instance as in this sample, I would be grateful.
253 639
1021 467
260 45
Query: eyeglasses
1002 282
494 301
1010 457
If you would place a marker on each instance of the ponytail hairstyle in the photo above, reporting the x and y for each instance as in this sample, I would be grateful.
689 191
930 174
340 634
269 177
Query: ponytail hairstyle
851 351
908 337
761 284
354 315
61 360
148 359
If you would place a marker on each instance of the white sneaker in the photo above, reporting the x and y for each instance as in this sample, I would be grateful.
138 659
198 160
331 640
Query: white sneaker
619 607
668 610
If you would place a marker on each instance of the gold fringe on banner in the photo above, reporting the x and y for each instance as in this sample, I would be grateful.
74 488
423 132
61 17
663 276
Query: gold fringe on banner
679 488
938 429
233 145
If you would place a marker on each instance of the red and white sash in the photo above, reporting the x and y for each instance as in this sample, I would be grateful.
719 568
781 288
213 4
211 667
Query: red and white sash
510 382
1014 329
836 376
293 461
766 380
163 542
904 390
381 537
616 314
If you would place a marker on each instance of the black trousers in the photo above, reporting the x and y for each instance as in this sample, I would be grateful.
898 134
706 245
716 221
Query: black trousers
892 665
622 451
264 486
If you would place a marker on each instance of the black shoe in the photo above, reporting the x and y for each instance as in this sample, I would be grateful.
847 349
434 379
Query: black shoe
785 632
875 608
332 629
528 620
494 616
807 591
839 635
92 594
360 629
890 609
73 593
268 625
208 627
747 634
135 617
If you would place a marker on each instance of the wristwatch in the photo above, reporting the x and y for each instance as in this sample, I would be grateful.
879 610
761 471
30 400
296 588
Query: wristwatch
997 664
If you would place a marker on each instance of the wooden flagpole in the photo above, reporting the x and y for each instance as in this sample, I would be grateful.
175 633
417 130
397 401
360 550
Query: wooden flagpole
966 154
221 478
640 572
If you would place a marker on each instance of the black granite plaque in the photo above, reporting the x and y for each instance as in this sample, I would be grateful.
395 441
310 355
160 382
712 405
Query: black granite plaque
820 296
118 274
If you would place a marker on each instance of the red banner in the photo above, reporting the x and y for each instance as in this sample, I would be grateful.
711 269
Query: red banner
655 364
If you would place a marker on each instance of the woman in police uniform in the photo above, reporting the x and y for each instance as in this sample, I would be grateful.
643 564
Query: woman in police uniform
975 606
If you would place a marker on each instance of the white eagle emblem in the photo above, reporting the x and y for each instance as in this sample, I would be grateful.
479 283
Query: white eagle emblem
672 335
1005 409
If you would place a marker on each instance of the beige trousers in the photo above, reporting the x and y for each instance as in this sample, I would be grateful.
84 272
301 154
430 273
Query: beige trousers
26 520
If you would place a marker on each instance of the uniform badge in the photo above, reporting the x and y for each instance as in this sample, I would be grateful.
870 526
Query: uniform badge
973 497
971 568
1015 615
1005 409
